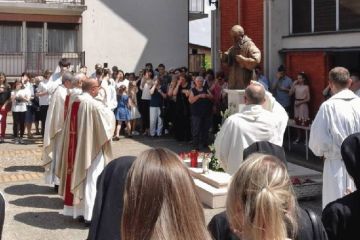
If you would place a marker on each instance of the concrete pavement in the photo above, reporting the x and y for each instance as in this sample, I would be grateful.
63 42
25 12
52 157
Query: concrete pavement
32 210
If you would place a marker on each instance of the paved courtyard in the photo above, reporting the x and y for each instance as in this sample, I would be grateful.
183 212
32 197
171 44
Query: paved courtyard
32 209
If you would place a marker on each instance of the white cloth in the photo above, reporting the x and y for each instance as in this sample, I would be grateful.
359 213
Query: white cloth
112 94
55 80
240 130
20 105
357 92
43 87
124 82
85 207
146 95
52 135
337 118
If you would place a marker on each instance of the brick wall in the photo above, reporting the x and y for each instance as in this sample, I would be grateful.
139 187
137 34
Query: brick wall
251 18
316 67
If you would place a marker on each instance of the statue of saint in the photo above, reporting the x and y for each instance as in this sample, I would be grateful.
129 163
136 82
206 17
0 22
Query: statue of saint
241 58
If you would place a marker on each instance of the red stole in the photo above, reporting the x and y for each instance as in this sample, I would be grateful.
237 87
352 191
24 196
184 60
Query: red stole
66 105
68 199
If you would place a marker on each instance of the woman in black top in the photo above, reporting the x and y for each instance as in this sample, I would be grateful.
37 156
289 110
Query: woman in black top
182 109
201 106
5 93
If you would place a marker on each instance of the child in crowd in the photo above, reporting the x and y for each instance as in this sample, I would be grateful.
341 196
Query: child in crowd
134 112
122 112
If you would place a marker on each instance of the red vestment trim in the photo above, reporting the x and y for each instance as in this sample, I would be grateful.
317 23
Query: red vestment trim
68 199
66 105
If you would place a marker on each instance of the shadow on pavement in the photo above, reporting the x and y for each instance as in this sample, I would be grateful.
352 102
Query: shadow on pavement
166 142
24 168
29 189
48 220
39 202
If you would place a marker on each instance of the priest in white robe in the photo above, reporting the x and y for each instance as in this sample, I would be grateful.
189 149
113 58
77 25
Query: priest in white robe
94 129
337 118
254 123
53 127
56 78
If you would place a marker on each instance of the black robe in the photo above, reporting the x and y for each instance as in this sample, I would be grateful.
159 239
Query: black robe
109 201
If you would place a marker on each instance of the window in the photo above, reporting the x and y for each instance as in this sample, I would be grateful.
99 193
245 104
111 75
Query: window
324 15
349 14
10 37
301 13
62 37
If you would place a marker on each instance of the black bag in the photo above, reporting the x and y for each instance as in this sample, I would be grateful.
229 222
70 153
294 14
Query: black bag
319 232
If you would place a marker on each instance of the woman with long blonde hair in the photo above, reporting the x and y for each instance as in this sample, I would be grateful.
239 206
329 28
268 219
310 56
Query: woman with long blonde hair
160 201
261 203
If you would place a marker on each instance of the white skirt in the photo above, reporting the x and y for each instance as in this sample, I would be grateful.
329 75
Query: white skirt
134 113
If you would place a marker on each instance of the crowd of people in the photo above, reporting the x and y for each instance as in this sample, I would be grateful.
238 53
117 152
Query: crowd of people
80 115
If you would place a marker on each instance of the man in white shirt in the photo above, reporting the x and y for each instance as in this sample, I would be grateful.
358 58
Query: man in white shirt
44 100
56 78
337 118
254 123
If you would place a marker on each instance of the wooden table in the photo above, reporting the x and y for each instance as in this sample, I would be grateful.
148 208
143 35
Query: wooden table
291 123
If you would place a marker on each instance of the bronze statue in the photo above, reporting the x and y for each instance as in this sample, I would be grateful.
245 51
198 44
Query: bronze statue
241 58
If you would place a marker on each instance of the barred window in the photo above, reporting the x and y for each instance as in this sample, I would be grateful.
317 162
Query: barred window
349 14
62 37
10 37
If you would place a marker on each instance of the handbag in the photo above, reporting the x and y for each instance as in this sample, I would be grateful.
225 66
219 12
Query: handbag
319 232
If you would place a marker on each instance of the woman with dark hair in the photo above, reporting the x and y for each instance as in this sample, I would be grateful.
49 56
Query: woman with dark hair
20 97
5 104
160 200
201 108
146 83
302 96
29 116
182 123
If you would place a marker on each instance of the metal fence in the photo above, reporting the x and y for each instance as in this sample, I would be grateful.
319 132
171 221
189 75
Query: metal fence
13 64
76 2
196 6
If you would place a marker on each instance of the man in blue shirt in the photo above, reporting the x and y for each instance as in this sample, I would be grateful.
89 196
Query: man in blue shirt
281 87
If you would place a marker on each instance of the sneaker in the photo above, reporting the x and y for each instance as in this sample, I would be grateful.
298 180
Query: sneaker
16 141
21 141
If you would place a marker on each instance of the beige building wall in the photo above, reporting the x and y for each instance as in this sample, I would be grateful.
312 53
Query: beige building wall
130 33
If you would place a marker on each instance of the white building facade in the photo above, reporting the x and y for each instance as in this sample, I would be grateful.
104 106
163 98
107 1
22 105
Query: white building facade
35 34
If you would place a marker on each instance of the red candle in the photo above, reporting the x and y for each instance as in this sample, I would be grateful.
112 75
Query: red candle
194 158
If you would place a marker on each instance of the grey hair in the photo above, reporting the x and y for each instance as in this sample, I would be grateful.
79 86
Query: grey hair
199 78
67 76
78 77
339 76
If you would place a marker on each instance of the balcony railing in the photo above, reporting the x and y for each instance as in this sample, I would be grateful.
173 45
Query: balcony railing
13 64
73 2
196 6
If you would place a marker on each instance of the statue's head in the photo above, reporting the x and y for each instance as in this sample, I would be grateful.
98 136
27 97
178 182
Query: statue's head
237 33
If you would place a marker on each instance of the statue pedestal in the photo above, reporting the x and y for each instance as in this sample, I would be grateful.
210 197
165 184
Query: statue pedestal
235 100
211 187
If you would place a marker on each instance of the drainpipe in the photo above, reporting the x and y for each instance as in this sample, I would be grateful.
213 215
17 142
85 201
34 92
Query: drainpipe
239 7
